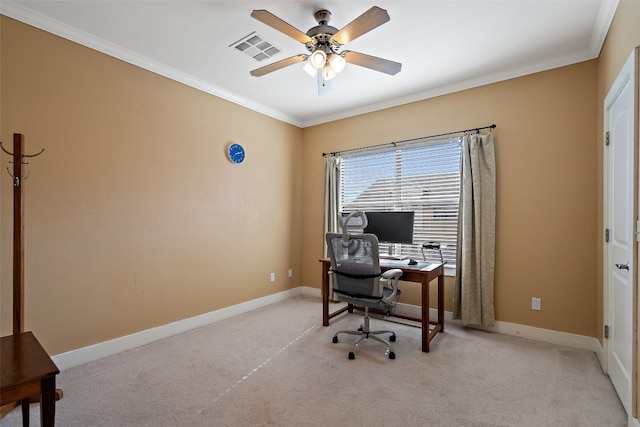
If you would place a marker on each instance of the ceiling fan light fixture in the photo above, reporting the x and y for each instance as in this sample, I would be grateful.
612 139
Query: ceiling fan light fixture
318 58
310 69
337 62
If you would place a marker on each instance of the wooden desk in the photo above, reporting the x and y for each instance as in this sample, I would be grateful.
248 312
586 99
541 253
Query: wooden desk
27 370
425 277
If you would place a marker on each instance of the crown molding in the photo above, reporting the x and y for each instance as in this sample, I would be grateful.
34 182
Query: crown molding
487 79
603 23
14 10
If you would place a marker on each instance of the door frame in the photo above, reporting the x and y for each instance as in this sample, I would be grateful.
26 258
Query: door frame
628 72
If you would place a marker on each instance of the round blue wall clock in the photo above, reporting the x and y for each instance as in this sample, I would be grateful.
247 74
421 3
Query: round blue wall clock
235 152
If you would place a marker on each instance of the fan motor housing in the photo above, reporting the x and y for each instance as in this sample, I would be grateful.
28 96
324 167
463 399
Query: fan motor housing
322 33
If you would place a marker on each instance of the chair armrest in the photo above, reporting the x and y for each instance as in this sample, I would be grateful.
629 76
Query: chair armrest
393 274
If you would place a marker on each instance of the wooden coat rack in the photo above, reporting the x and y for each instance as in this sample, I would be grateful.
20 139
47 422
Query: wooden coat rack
19 160
18 176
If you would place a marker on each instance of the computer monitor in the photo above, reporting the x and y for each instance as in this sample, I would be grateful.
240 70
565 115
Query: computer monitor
391 226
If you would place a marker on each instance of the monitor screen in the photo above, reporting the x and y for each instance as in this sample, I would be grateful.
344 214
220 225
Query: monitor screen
391 226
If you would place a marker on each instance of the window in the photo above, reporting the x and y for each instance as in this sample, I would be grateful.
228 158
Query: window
424 179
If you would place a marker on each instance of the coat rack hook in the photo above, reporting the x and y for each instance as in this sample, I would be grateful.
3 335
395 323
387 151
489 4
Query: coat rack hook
24 155
33 155
3 149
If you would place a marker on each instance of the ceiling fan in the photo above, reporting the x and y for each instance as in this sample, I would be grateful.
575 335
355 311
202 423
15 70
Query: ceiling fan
324 42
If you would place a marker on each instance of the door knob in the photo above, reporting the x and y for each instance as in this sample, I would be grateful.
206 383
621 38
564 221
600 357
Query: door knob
622 266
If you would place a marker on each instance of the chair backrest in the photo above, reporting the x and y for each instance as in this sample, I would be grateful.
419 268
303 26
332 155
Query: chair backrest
355 262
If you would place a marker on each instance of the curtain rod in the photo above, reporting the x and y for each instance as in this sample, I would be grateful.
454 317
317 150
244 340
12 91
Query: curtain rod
395 143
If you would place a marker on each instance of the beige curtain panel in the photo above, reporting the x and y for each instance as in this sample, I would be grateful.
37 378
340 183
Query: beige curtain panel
475 260
331 188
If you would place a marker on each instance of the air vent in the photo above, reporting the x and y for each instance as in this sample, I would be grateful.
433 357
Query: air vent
256 47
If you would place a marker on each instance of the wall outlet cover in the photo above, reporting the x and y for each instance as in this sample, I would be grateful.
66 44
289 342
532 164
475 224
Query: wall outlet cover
536 304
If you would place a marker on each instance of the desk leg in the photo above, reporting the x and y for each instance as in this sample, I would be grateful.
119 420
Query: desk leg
441 301
24 403
425 316
325 294
48 401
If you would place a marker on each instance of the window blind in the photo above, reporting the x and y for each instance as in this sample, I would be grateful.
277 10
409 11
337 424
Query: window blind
421 178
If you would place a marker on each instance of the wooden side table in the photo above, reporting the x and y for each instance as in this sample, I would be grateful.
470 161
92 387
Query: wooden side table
27 370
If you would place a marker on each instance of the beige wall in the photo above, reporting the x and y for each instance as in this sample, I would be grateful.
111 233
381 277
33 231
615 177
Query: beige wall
546 193
134 216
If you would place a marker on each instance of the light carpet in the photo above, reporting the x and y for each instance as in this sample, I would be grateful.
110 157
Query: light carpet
277 366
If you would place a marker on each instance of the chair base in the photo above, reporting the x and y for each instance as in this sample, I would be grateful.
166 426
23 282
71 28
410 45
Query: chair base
364 332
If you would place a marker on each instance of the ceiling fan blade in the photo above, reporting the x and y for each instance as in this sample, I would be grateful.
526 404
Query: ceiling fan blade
259 72
373 62
273 21
364 23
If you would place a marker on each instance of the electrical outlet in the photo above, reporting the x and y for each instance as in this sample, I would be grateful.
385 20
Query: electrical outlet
536 304
290 272
273 277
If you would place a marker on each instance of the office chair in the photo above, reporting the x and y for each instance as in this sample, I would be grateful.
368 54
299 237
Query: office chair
357 279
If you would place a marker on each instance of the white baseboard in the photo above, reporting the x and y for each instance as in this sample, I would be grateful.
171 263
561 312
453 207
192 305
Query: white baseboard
517 330
127 342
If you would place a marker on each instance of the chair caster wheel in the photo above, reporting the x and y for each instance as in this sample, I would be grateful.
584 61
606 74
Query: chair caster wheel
352 355
335 340
392 355
392 338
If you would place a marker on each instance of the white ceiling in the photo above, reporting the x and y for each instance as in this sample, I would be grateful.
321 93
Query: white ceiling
443 45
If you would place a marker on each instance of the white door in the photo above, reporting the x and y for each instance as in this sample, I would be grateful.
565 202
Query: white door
619 220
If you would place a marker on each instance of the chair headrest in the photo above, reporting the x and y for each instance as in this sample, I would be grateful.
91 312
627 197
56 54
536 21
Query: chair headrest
358 218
